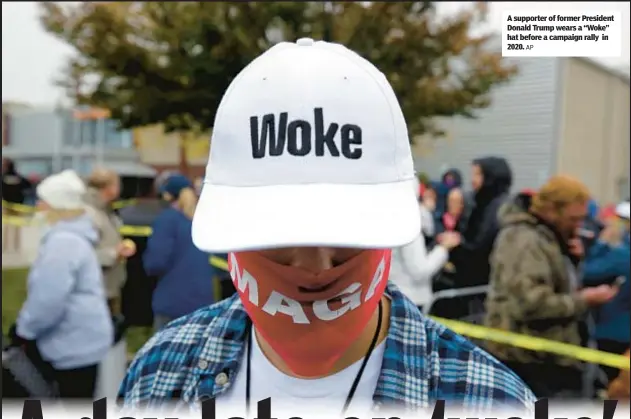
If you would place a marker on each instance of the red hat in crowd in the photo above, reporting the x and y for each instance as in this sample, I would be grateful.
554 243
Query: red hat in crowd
608 212
528 192
34 178
421 189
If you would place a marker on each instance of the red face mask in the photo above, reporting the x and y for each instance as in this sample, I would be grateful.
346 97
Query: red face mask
449 221
310 330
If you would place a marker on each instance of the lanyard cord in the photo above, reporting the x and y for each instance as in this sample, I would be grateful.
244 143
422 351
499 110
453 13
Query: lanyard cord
349 398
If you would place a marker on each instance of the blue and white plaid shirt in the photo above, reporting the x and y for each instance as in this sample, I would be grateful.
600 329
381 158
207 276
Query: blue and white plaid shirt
198 356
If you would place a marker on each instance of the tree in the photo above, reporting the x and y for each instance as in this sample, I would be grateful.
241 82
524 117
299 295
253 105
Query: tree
171 62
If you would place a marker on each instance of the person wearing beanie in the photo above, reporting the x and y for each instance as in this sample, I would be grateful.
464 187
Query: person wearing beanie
174 185
184 272
64 324
160 183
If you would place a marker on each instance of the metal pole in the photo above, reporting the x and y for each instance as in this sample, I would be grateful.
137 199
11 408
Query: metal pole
100 140
76 142
57 141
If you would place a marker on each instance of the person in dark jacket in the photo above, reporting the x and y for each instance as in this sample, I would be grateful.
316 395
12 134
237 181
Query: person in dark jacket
137 293
592 227
491 181
185 274
15 189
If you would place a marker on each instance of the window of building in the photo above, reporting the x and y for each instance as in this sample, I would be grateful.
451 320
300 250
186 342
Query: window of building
39 167
85 166
115 138
95 133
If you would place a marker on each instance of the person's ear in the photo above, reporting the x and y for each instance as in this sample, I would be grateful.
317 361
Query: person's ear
167 196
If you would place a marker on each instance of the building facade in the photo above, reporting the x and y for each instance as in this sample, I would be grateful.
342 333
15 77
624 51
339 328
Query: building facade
558 115
164 151
46 140
7 109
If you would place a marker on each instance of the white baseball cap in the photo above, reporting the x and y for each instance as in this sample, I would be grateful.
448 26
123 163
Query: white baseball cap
309 148
623 210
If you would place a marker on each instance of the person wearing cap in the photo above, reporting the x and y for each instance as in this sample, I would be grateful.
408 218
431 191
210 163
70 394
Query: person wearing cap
608 262
103 190
184 272
309 185
160 180
65 322
535 287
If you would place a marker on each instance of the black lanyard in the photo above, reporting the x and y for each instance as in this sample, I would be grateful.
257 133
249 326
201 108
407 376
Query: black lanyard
358 377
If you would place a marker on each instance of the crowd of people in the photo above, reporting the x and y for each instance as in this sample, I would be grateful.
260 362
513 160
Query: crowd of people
552 260
323 302
74 310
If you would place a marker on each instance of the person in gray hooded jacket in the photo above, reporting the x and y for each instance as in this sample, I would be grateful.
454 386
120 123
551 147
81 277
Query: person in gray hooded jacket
65 314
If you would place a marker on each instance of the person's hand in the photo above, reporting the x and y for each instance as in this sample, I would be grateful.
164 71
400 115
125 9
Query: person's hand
598 295
610 234
575 247
449 240
429 204
15 339
126 249
449 267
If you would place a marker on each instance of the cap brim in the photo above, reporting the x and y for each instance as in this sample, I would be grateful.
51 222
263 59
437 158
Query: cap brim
380 216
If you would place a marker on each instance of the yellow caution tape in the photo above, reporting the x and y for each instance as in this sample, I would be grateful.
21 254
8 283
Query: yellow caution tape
28 209
135 231
219 263
466 329
537 344
16 220
122 204
126 230
514 339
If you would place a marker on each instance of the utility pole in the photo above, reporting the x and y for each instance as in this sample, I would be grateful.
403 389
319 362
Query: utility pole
327 16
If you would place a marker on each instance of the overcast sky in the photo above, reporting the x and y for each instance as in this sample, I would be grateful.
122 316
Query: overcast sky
31 59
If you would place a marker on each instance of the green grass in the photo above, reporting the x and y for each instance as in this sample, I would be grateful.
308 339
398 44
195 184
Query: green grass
14 294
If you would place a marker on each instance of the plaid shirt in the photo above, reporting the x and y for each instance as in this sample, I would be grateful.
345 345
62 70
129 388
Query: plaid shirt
197 357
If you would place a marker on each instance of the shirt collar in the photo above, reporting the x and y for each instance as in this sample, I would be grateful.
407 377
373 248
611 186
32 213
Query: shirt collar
221 356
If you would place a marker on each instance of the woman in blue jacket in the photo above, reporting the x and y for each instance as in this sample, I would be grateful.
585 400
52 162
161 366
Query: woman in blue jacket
185 276
608 262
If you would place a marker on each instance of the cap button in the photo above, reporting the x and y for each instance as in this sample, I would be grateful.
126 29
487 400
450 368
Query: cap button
305 42
221 379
